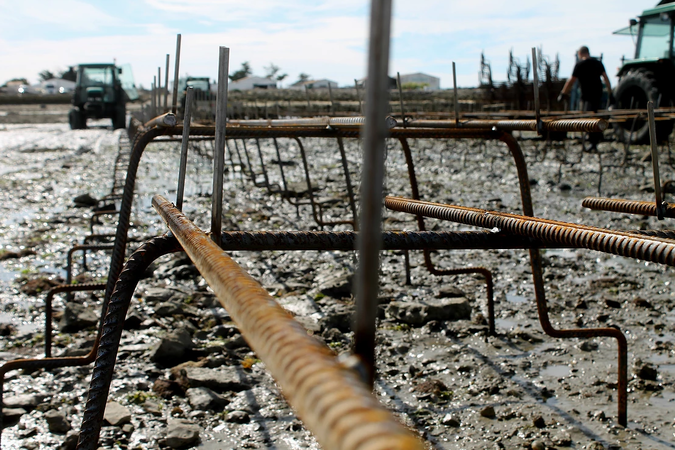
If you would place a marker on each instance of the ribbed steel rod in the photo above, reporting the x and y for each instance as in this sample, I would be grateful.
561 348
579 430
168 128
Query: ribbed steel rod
646 248
627 206
579 125
331 400
322 122
391 240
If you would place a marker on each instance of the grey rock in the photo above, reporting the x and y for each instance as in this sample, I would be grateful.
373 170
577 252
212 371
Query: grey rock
168 309
223 379
116 414
417 313
236 342
539 422
450 421
538 445
488 412
203 398
336 286
57 421
152 407
173 347
25 401
70 442
647 372
181 434
338 316
128 428
449 292
77 317
157 295
11 415
238 417
562 439
84 200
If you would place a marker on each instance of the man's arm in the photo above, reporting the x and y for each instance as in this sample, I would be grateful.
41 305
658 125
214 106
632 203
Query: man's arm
568 87
610 96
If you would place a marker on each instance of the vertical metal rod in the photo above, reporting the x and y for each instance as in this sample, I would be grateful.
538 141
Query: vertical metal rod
535 85
219 156
159 91
153 96
309 106
374 134
184 147
358 95
174 97
655 160
454 88
400 97
330 97
166 84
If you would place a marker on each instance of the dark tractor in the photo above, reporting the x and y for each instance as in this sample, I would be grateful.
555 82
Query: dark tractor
101 91
650 76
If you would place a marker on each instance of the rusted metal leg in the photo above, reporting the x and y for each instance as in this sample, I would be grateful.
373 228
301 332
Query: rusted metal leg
427 253
348 180
48 308
48 362
112 327
542 309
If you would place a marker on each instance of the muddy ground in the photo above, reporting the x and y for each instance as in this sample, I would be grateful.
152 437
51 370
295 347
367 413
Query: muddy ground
448 380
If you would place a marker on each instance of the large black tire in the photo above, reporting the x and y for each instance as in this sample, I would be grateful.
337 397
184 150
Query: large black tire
76 119
120 118
636 88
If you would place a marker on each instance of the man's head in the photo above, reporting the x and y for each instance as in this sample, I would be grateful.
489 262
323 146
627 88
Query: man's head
584 52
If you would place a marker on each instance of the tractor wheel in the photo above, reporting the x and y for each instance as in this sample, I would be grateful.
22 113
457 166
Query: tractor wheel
120 118
76 119
635 89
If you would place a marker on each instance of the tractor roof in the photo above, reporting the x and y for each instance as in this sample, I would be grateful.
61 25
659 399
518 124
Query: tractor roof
97 65
664 6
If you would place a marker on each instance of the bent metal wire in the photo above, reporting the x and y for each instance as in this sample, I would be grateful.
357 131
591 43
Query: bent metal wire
639 246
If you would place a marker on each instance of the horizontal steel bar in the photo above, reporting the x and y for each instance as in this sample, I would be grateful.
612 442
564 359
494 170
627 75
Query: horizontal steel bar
322 122
585 125
331 400
627 206
391 240
646 248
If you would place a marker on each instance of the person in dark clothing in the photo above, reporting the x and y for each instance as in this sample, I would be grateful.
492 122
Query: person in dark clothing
589 71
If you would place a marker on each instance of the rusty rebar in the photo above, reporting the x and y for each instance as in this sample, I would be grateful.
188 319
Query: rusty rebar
110 333
627 206
580 125
331 400
623 244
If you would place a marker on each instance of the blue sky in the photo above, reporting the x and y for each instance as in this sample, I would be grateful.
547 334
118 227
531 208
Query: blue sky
326 39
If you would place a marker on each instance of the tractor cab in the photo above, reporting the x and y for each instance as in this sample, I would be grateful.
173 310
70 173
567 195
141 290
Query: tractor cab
650 75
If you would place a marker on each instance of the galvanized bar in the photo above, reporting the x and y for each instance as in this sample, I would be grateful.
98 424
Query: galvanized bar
454 88
189 96
400 98
358 95
159 90
219 153
166 84
535 85
329 398
654 145
174 98
370 217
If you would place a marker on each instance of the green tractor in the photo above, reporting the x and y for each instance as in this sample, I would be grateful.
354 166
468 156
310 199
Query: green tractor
101 91
650 76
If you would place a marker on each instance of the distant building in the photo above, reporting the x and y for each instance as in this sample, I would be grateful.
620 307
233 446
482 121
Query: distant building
426 82
252 82
363 81
314 84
